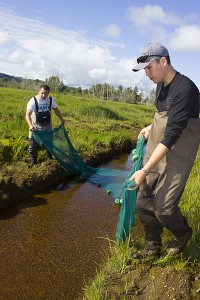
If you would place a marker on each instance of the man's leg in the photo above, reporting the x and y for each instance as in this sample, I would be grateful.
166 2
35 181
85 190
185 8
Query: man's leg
48 154
152 227
33 149
50 145
167 210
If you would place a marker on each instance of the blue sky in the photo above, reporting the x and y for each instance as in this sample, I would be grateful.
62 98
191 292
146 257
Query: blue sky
87 42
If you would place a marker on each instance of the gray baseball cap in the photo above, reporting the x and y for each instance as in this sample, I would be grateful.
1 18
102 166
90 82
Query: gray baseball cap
149 53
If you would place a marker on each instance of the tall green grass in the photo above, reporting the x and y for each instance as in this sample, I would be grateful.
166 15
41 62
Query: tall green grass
91 123
190 204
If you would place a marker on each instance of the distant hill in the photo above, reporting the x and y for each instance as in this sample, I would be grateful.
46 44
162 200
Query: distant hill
10 77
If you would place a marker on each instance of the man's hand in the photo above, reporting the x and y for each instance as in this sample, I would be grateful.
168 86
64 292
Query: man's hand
32 128
145 131
139 177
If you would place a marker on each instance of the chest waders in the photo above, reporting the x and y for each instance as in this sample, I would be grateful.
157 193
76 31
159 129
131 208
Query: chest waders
33 145
159 196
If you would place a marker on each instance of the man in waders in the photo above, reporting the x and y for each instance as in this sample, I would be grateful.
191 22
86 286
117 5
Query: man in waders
38 117
172 144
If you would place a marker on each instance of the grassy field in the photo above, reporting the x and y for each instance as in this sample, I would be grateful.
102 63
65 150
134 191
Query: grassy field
91 123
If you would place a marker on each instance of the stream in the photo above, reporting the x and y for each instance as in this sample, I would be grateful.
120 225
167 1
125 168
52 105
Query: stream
53 243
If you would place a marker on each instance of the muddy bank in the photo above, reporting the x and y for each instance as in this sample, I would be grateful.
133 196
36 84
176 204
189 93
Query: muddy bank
17 181
167 278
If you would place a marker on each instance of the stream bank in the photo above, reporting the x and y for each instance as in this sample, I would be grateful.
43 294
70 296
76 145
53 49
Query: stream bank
145 281
17 181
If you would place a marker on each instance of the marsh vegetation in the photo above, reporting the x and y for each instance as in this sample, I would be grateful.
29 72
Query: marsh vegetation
97 126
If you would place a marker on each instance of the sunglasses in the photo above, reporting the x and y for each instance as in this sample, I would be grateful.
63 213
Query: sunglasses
146 58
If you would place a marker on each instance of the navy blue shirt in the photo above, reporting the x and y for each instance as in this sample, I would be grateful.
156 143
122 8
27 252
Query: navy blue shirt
181 98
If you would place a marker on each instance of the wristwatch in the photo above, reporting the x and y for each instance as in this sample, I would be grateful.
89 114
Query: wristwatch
146 173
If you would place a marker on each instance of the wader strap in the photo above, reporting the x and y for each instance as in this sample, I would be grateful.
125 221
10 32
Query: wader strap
36 104
50 103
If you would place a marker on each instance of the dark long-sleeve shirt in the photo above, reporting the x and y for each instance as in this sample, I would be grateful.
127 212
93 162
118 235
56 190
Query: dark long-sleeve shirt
181 98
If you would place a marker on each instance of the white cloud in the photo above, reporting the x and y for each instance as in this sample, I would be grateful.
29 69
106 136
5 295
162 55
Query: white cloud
186 38
166 27
4 38
39 50
112 30
97 74
148 15
44 50
16 56
34 49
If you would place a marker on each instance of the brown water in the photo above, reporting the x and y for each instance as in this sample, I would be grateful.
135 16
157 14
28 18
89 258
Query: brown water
53 243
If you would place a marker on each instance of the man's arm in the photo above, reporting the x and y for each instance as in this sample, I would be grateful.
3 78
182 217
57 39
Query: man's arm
28 119
58 114
139 176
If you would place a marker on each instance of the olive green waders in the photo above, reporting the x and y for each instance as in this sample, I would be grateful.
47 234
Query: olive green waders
159 196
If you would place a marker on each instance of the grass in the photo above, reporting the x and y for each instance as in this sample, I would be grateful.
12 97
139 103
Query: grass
117 262
190 205
91 123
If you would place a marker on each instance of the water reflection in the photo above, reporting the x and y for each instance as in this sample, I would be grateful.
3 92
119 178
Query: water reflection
53 242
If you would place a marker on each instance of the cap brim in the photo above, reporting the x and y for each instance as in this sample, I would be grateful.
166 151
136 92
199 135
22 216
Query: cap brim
141 66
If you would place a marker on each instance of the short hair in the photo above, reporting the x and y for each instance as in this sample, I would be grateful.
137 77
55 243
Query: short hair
167 58
45 87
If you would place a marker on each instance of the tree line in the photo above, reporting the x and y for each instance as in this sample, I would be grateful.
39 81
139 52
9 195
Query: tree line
102 91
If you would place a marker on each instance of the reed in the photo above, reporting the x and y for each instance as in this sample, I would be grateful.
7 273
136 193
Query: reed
91 123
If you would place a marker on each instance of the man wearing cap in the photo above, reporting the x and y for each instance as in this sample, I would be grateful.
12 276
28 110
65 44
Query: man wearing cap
172 144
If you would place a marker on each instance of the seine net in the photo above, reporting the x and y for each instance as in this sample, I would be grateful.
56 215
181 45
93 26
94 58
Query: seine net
115 182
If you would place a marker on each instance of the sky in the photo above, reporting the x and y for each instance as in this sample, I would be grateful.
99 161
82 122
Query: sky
86 42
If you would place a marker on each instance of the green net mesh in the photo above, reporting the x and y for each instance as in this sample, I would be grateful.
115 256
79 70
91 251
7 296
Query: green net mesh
115 182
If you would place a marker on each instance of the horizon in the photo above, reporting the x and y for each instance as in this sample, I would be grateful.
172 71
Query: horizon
87 43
